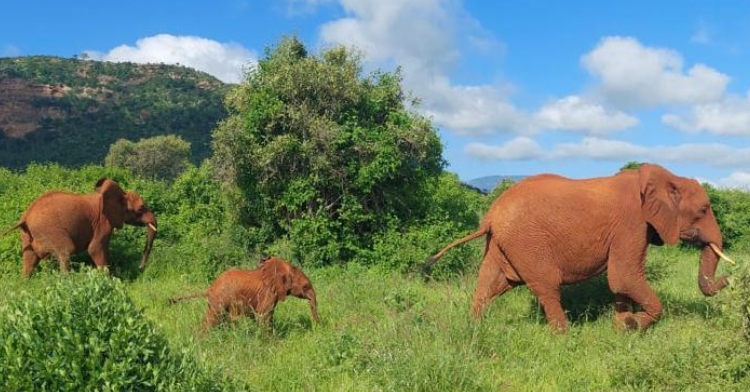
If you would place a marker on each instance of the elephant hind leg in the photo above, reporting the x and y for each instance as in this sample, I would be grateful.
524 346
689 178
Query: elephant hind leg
30 261
30 256
63 249
549 296
212 318
491 282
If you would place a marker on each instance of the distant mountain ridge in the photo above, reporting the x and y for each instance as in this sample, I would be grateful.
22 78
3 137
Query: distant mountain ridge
69 111
487 183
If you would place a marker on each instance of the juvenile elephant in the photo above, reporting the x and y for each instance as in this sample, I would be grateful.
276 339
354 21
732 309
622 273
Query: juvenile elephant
256 292
64 224
547 230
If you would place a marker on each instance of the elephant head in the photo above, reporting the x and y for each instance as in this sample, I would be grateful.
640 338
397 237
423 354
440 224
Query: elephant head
287 279
678 209
121 207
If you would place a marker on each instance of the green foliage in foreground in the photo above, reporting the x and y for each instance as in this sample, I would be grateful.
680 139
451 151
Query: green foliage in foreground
84 333
386 331
392 332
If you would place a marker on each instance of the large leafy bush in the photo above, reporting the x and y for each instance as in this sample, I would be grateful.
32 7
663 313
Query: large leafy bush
156 158
85 334
324 155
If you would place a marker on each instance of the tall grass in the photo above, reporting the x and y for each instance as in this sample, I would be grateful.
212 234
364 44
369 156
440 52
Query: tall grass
386 331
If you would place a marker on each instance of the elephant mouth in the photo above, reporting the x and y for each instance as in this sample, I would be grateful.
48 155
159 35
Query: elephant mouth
693 236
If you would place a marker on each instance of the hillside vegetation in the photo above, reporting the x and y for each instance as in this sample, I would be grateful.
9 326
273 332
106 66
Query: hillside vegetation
324 165
68 111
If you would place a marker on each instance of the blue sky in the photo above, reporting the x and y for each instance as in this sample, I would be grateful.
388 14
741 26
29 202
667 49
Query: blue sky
577 88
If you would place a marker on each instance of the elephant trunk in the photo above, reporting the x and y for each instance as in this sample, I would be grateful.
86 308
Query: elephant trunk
707 281
150 235
310 295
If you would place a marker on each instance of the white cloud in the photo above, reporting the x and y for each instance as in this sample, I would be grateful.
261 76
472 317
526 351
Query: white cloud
417 33
473 109
633 75
596 148
730 116
521 148
226 61
422 36
712 154
737 180
574 113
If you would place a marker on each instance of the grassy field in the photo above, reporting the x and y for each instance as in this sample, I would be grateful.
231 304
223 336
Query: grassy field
384 331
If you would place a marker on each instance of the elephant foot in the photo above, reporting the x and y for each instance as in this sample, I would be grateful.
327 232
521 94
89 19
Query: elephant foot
629 321
626 322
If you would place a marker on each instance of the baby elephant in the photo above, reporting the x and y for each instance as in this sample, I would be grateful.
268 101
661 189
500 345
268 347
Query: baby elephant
238 292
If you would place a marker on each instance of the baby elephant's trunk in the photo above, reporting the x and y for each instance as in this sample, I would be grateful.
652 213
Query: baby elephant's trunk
310 295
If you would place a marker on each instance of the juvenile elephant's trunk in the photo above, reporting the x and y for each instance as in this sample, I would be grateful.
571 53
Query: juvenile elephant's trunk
707 281
150 235
313 305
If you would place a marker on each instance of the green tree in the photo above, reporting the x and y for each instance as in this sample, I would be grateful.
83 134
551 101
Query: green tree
323 154
154 158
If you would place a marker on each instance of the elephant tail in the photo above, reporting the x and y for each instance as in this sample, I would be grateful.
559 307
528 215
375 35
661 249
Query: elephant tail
174 300
17 225
483 230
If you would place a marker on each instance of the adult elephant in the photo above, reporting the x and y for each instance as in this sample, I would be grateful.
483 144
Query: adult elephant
548 230
64 223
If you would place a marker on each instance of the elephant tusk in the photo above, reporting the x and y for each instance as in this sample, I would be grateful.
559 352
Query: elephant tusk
152 227
721 254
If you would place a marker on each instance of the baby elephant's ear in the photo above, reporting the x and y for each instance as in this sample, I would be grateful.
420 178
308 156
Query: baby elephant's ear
283 284
277 274
99 183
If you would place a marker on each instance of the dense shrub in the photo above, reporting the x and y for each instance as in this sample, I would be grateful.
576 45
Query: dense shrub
323 155
732 210
452 214
155 158
85 333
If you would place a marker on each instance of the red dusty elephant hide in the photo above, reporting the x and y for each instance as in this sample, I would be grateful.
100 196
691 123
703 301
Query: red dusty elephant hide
547 231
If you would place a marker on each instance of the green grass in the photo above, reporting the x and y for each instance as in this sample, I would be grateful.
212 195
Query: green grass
384 331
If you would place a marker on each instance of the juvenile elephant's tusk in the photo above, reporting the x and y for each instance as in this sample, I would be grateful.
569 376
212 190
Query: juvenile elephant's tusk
152 227
721 254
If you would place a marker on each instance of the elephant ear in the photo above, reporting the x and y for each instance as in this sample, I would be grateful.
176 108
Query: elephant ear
660 200
279 275
113 201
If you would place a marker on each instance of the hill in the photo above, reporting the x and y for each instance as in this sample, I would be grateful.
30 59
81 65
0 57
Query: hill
488 183
69 111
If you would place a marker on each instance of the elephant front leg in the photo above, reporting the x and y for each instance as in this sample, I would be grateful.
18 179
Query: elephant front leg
624 318
266 320
99 255
627 292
